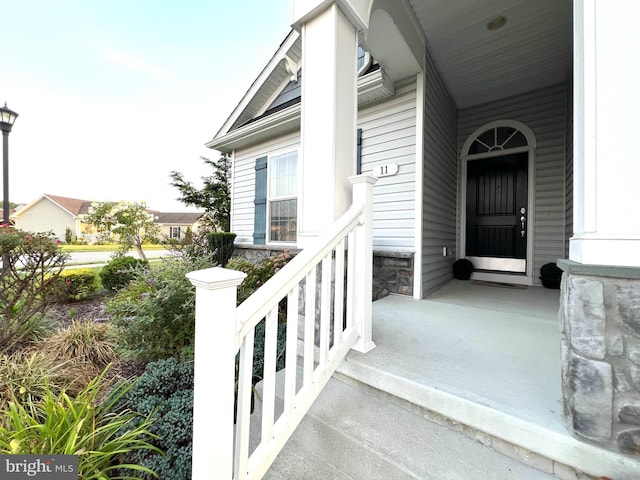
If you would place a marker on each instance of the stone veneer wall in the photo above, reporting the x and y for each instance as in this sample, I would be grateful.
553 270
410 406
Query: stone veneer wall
600 321
255 253
392 271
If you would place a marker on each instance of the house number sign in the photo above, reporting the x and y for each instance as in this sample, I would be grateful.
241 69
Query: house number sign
386 170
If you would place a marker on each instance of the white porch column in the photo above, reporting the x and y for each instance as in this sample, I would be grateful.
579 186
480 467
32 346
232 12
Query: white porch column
606 126
329 109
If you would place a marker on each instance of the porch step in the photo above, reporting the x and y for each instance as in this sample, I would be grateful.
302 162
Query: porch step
353 432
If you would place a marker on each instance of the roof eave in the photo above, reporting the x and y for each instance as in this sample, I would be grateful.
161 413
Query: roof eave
371 87
280 54
275 124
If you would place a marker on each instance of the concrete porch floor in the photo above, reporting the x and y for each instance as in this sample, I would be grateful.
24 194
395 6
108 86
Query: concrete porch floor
487 357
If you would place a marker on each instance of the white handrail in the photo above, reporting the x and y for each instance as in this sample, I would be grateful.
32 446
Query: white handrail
344 256
254 308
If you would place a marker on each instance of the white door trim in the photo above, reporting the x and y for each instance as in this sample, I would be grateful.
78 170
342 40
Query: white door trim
527 278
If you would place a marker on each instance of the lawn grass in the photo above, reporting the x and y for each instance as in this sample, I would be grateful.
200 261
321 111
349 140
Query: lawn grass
111 247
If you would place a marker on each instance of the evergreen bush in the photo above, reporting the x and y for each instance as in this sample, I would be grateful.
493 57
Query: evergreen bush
165 390
220 245
120 271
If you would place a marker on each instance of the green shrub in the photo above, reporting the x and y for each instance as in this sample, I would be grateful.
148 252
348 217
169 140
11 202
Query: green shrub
87 426
257 273
165 390
220 245
68 235
155 313
120 271
77 284
28 283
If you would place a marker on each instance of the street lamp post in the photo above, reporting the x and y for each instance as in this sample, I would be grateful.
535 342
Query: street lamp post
7 117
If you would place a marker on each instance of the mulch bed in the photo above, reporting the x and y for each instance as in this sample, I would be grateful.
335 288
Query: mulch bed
90 309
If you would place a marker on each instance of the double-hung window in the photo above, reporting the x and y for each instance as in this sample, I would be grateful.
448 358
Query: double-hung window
282 200
174 232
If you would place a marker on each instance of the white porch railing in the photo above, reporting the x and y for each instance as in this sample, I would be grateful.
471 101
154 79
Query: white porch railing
342 259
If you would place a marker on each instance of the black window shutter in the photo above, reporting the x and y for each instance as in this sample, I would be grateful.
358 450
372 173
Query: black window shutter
359 151
260 202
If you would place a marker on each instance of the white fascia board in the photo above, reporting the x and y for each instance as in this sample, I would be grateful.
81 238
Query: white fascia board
29 205
255 86
279 122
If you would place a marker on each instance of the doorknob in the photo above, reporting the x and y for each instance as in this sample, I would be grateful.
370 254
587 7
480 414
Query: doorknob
523 220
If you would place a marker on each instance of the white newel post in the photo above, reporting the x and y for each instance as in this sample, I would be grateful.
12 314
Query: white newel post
362 293
213 393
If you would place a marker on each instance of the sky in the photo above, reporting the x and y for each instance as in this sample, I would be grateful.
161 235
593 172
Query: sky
113 95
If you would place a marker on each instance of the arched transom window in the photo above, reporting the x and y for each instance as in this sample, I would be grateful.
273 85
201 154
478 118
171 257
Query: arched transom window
496 139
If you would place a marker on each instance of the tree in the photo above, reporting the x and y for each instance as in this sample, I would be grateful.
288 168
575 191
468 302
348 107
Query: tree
12 205
215 195
130 221
31 265
101 217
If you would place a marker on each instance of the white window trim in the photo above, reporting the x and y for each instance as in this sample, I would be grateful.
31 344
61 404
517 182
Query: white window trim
268 240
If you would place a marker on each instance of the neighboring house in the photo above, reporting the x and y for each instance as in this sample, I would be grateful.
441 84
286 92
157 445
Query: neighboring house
57 214
500 132
175 225
53 213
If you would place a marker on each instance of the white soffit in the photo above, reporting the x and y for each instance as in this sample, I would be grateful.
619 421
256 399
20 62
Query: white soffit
532 50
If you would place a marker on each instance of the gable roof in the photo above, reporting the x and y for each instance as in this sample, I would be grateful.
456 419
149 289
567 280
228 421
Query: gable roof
258 118
268 83
73 206
178 218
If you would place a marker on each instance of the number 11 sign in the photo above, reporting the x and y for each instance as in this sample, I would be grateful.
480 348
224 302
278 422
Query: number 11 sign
386 170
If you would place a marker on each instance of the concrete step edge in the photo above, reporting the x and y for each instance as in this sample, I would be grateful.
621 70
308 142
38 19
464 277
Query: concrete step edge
552 452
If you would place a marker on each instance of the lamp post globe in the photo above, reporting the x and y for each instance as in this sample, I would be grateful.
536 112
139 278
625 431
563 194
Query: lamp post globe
7 117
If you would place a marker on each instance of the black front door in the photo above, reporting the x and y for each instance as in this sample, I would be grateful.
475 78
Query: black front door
496 230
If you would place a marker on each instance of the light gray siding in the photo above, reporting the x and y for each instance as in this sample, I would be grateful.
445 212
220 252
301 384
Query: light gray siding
569 171
389 136
440 180
243 191
544 111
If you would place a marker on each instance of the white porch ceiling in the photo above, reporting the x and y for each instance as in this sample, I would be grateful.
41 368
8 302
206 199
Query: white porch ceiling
532 50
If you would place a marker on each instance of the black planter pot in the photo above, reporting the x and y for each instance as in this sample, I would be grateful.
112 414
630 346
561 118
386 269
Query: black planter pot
462 269
550 275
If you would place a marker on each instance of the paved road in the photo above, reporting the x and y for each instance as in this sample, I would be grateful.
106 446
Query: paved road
104 257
